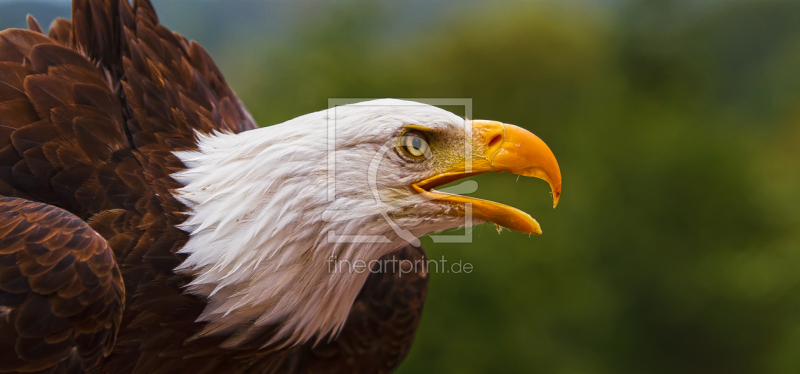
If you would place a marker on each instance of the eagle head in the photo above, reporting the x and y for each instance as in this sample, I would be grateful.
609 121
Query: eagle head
269 208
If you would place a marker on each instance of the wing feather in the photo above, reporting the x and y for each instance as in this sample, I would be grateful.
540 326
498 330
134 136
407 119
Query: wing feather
60 289
61 31
33 24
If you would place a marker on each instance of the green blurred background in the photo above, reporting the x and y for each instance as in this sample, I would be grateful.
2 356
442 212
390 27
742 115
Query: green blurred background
675 248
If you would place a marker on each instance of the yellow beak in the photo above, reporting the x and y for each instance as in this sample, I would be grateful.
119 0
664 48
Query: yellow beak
500 148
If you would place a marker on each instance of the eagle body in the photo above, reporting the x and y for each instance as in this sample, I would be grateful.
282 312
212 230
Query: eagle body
147 225
90 116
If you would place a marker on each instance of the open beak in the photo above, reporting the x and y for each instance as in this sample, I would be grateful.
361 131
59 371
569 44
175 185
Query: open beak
500 148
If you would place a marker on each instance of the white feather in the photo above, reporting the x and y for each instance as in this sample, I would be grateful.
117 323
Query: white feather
260 217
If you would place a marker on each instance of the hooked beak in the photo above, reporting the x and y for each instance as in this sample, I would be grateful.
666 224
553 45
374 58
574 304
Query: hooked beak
499 147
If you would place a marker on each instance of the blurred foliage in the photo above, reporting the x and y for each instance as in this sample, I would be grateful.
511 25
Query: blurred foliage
677 127
675 248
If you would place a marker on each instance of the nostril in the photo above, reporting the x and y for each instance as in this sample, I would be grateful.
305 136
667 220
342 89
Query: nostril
497 138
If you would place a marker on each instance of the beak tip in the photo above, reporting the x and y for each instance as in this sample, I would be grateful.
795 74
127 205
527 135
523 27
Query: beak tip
536 229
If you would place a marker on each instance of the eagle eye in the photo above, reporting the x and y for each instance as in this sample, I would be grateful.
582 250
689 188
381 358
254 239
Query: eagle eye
414 144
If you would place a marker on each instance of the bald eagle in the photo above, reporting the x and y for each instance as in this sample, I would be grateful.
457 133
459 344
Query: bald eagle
148 226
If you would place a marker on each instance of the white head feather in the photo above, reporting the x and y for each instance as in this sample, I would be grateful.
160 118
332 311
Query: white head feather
262 225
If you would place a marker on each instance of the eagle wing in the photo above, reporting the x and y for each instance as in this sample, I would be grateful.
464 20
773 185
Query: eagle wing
89 117
101 102
61 293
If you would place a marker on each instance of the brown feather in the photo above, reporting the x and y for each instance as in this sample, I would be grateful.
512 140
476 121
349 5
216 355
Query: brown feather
33 24
15 114
33 136
45 55
46 250
48 92
61 31
15 44
12 80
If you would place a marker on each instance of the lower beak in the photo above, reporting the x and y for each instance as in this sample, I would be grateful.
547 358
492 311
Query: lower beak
500 148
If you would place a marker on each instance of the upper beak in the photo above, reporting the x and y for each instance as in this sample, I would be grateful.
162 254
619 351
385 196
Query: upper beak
517 151
500 148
